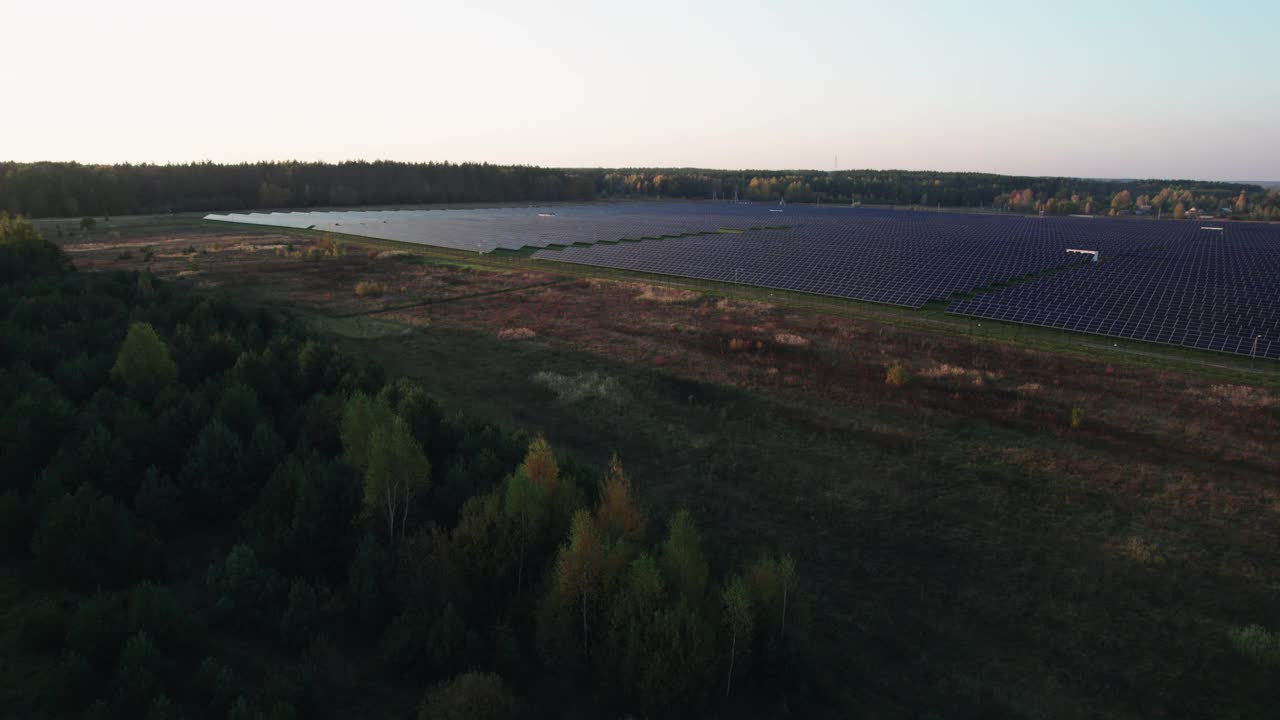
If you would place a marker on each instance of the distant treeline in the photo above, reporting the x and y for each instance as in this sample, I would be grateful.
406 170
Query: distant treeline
72 189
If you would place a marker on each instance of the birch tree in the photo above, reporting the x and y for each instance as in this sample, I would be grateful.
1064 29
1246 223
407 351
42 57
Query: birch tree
739 620
398 472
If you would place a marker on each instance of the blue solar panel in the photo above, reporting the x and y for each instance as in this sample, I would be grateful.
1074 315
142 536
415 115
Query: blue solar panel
897 258
1209 290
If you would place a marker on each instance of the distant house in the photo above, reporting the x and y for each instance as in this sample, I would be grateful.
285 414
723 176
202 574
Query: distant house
1224 212
1142 210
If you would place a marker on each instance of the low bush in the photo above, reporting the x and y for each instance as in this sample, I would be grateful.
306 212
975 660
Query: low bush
370 288
896 376
1258 644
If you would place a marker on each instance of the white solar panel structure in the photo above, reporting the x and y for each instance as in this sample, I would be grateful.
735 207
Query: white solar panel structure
489 229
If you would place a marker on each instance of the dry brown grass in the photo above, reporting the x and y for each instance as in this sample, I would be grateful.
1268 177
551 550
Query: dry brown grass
1141 551
517 333
790 339
571 389
1242 396
749 306
944 370
659 293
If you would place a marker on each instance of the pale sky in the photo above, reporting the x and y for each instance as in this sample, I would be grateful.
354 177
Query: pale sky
1098 89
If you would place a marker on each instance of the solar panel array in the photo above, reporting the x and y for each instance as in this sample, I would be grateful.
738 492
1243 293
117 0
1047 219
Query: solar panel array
897 258
489 229
1166 282
1203 289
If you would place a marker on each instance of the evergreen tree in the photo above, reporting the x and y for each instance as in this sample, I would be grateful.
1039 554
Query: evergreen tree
143 363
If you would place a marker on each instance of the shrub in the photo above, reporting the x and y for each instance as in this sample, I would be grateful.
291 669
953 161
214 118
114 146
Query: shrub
370 288
896 376
1077 418
570 389
1258 644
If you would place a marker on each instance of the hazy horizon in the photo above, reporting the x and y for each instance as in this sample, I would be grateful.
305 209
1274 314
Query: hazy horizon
1103 91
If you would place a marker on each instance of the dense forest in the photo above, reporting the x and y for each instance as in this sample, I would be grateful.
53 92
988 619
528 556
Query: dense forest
208 512
72 189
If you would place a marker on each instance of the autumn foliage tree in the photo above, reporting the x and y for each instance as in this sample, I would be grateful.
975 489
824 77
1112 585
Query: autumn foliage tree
578 571
1121 201
541 466
617 514
470 696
